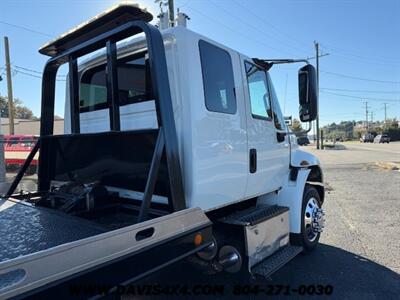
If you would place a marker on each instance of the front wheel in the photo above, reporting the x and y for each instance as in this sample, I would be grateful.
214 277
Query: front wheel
312 219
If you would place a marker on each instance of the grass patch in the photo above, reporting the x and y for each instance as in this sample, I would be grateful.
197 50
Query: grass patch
334 147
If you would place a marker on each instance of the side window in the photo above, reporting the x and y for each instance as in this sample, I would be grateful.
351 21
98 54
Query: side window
218 82
134 84
258 92
278 117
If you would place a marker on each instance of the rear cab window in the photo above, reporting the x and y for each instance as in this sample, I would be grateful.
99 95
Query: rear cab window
218 80
134 84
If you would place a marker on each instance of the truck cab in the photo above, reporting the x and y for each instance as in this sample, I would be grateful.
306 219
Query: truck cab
174 147
230 128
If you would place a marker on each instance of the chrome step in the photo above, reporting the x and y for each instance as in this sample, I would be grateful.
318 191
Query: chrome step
273 263
254 215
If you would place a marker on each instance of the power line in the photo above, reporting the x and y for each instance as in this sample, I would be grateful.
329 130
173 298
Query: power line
361 91
363 57
235 31
255 27
341 115
27 29
362 98
28 74
26 69
34 71
359 78
361 61
33 75
269 24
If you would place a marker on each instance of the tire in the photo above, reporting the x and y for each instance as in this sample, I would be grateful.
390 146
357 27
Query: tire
308 239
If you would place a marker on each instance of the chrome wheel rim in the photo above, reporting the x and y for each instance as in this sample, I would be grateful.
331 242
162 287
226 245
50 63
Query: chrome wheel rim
314 220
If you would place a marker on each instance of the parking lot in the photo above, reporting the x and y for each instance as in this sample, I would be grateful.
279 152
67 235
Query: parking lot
359 252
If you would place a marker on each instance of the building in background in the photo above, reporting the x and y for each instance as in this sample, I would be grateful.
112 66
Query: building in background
29 127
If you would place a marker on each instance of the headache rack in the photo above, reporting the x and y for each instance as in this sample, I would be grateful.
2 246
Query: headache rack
106 30
45 250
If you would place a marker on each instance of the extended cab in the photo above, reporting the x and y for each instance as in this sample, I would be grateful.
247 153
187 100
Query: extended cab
175 146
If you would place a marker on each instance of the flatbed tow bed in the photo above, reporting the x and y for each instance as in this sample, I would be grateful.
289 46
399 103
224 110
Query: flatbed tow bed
37 229
32 249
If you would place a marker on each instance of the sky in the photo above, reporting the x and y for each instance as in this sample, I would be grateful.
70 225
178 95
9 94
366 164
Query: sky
361 40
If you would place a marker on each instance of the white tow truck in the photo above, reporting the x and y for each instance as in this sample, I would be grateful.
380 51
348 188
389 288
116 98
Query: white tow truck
175 146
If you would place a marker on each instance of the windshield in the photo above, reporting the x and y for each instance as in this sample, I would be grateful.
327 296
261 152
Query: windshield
276 109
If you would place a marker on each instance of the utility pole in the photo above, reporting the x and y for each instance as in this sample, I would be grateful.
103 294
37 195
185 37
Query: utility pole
385 112
171 11
314 136
284 99
317 56
317 60
366 116
372 117
9 87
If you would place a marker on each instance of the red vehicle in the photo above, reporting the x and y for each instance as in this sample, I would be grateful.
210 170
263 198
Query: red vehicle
16 150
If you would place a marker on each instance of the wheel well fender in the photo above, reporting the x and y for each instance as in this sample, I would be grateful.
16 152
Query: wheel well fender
316 179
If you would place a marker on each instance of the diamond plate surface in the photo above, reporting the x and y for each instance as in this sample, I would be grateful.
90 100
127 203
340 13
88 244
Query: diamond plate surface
254 215
25 229
276 261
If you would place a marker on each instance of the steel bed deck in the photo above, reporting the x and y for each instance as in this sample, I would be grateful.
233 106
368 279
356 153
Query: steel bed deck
26 229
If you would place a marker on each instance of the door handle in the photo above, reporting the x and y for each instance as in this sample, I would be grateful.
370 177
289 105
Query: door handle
253 160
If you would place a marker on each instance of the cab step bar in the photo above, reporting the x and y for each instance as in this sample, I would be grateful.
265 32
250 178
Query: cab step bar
273 263
254 215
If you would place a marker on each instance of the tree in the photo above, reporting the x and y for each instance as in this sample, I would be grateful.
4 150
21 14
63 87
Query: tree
296 126
358 132
392 123
20 110
342 130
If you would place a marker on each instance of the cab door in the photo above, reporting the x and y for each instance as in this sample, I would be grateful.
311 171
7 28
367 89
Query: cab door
218 136
268 146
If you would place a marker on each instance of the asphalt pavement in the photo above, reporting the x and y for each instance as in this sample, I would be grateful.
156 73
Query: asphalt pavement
359 251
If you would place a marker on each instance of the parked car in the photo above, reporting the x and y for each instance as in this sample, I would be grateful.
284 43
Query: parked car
382 138
367 138
303 141
16 150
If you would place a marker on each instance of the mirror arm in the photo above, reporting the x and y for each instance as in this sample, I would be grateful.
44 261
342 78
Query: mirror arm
268 63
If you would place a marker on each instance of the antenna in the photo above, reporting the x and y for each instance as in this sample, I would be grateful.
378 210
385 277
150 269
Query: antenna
167 18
